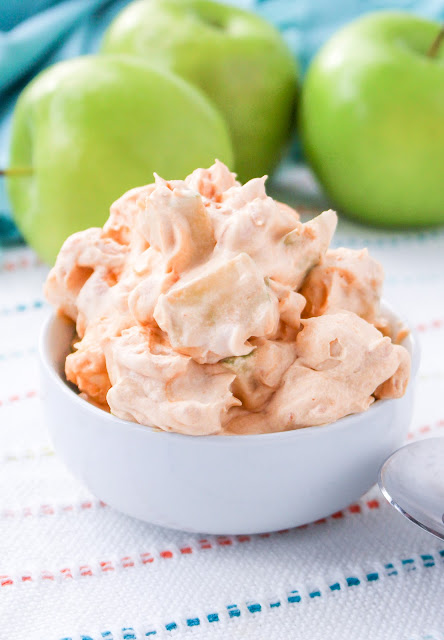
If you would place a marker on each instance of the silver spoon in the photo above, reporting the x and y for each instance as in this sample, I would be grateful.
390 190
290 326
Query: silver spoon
412 480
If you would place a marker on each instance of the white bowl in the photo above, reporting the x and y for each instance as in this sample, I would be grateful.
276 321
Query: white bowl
212 484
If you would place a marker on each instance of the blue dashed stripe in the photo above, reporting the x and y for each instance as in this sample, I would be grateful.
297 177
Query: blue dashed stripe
213 617
344 239
409 564
233 611
19 353
354 582
193 622
35 305
391 571
293 597
428 560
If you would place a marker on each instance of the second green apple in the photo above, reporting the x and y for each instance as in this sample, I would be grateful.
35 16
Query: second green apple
372 119
239 60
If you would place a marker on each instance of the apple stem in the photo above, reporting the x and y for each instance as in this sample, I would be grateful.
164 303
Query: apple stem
434 47
16 171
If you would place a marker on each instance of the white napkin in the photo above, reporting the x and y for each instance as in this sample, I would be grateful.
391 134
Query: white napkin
73 568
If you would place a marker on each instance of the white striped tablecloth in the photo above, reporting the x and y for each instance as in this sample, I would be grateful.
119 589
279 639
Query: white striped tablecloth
73 568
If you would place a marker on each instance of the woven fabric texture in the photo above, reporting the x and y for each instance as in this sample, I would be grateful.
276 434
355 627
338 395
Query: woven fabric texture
73 568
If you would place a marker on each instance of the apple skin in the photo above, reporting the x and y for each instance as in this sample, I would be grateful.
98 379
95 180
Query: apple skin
238 59
372 120
93 127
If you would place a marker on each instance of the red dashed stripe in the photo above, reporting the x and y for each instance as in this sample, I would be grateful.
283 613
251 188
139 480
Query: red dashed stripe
24 262
424 429
437 323
127 562
66 573
50 510
5 581
15 397
224 542
204 544
354 508
186 550
147 558
47 575
108 566
47 510
44 510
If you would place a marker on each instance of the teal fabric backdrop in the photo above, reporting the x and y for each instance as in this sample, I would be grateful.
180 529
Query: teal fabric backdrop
37 33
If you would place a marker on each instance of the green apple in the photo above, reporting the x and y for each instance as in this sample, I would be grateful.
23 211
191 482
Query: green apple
91 128
372 119
239 60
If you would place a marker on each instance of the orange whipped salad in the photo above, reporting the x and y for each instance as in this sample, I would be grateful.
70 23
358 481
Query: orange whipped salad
204 306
